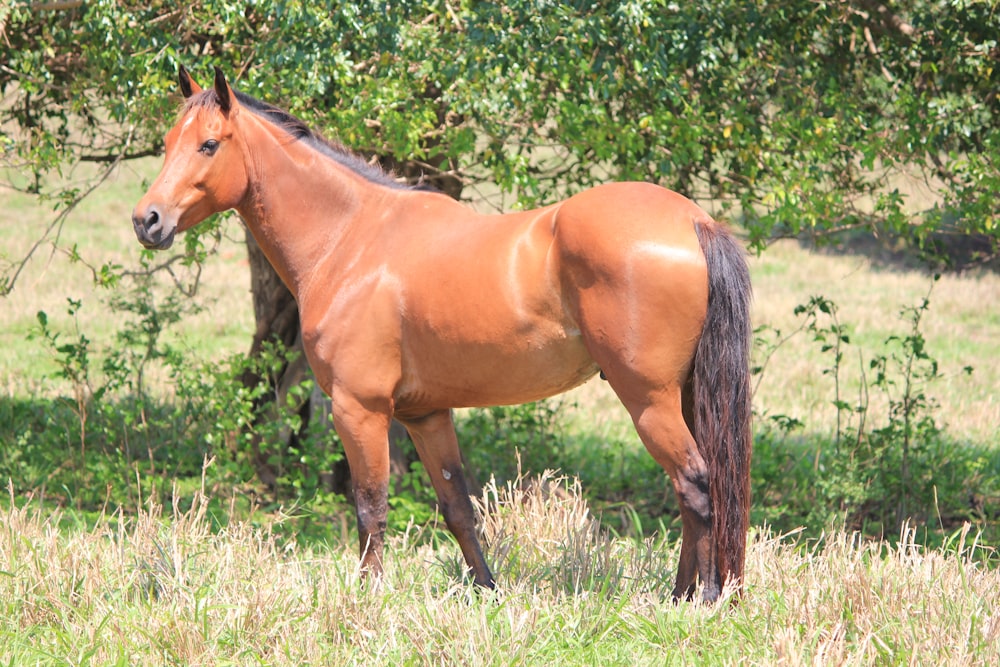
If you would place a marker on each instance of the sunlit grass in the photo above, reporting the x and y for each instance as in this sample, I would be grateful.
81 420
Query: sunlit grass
101 231
962 329
169 587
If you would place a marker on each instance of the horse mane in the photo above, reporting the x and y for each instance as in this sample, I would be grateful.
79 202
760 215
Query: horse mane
302 132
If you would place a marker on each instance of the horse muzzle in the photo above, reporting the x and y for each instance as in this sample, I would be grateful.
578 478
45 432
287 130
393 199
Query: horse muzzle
152 230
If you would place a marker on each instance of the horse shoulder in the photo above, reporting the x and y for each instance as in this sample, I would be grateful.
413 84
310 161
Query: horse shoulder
351 332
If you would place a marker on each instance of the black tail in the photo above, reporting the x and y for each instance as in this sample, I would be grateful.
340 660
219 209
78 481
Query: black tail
722 397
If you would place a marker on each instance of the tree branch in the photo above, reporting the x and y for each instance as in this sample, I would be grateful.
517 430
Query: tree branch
7 283
887 20
56 5
120 157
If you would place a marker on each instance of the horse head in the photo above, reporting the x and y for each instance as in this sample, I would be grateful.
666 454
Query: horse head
204 171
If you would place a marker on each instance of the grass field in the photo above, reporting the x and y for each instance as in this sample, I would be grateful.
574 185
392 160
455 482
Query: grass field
174 588
962 327
100 227
155 590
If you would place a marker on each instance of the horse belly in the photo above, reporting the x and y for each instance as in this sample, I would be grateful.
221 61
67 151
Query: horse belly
485 374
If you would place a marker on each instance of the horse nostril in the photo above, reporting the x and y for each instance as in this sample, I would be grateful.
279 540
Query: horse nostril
149 228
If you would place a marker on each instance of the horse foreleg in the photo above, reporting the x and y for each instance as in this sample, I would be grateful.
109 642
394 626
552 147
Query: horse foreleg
437 446
365 435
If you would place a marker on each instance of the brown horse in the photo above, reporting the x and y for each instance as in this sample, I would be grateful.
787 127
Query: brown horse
412 304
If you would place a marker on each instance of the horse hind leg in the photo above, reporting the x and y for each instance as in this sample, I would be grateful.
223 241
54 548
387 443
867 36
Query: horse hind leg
664 432
437 446
650 377
697 558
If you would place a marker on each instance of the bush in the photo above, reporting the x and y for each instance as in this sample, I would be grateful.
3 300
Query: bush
875 473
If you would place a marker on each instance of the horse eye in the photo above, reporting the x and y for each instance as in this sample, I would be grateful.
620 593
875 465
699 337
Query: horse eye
209 147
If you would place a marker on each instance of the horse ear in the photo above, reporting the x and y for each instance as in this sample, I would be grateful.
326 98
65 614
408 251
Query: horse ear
223 91
188 86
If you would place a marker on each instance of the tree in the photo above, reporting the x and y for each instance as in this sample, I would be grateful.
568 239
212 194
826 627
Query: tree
800 115
797 114
797 117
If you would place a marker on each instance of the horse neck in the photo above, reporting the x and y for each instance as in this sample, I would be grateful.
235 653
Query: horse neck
300 204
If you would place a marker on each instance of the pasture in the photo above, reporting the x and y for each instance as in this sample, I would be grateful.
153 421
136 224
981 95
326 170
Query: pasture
169 588
218 581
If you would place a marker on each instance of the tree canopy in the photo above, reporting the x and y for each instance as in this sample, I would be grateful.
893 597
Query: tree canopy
798 116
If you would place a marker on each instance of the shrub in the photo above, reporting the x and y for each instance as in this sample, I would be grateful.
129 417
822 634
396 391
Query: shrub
876 472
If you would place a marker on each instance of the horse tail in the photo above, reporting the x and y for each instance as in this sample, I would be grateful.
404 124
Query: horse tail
722 395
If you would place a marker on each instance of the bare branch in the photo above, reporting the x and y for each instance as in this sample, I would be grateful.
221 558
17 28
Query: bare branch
886 20
120 157
7 284
873 49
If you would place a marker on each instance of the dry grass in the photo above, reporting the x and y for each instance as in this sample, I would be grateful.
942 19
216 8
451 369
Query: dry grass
962 328
150 590
153 589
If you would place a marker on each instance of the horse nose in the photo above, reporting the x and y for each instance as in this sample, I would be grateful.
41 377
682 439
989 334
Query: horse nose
144 221
148 227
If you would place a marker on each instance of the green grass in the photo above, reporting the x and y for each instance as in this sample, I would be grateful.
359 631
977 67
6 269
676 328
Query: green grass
151 589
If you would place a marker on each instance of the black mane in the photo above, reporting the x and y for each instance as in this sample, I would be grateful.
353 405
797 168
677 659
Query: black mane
300 131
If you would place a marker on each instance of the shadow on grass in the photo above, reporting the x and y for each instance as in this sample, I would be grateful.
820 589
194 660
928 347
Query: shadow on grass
801 481
133 455
806 480
943 252
798 480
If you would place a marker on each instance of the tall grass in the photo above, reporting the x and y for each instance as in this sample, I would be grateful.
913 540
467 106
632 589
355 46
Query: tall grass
169 588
